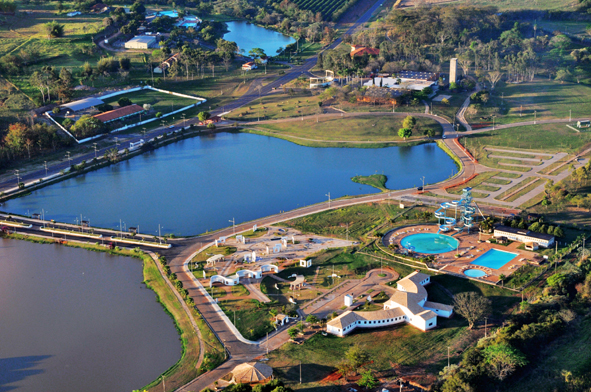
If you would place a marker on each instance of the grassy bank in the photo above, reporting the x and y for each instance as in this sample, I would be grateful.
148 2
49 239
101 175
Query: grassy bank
185 369
375 180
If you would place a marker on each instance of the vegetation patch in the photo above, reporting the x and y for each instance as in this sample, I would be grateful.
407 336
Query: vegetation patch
375 180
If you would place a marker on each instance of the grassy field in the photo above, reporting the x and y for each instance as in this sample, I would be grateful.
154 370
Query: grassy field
541 99
281 105
544 138
253 319
160 102
527 189
474 183
401 345
363 128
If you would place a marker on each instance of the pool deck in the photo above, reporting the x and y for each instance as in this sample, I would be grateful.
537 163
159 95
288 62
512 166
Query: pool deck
470 249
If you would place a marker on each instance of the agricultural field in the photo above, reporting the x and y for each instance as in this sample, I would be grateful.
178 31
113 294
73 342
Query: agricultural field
509 5
328 8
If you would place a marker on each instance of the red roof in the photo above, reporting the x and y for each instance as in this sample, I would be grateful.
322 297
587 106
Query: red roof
118 113
363 50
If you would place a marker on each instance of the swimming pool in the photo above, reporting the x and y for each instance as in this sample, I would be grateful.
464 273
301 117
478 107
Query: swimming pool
429 243
474 273
494 259
170 14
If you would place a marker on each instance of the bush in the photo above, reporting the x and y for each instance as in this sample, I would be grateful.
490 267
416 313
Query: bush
211 126
159 114
105 107
56 110
124 101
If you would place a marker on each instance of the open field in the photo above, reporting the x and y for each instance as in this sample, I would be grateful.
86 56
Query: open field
541 99
561 5
542 137
371 128
473 183
527 183
280 105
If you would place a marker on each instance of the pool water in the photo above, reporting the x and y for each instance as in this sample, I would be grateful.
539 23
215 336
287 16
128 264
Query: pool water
494 259
474 273
429 243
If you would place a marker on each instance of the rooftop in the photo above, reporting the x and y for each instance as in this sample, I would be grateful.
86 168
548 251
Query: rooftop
119 113
146 39
525 232
83 104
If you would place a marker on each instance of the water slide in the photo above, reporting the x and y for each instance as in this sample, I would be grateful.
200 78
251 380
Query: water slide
463 207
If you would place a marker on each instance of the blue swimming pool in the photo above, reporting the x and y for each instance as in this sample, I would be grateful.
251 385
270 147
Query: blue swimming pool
474 273
494 259
429 243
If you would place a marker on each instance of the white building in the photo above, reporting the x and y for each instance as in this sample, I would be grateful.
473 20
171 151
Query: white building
141 42
529 238
408 304
405 84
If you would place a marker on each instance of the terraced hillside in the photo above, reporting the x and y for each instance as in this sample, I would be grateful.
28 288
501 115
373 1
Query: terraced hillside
330 9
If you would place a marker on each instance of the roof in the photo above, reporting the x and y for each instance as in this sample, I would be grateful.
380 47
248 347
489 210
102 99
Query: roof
249 63
214 258
438 306
525 232
281 316
83 104
349 317
251 372
146 39
118 113
363 50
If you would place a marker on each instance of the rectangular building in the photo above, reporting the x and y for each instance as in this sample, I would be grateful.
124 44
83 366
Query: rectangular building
524 235
118 114
141 42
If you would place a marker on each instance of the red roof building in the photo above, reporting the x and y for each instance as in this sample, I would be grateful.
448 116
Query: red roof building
362 50
117 114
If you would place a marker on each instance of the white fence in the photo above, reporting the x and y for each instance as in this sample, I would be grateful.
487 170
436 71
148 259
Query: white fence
131 90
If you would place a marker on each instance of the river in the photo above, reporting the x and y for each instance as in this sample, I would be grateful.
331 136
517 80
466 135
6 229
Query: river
74 320
202 183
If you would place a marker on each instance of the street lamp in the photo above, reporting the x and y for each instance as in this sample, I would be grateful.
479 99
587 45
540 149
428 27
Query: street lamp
233 221
328 194
45 164
95 152
18 177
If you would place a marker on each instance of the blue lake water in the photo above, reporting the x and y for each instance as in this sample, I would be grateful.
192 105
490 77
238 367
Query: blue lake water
248 36
201 183
74 320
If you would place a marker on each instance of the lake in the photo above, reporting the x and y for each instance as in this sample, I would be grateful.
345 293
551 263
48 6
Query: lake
74 320
201 183
248 36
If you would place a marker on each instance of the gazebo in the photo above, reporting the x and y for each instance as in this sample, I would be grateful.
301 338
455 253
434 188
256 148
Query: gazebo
252 373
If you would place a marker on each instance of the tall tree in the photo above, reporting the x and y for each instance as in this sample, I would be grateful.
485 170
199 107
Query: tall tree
472 306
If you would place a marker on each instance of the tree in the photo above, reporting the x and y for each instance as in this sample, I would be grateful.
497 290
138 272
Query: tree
53 29
368 380
558 232
16 137
472 306
404 133
494 77
124 101
312 319
556 280
429 132
125 63
502 360
445 101
88 126
409 122
356 356
293 332
203 116
138 8
238 388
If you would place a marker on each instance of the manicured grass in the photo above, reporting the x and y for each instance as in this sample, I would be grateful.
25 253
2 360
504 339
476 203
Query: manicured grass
281 105
362 128
375 180
476 181
527 189
543 137
508 175
520 184
541 99
160 102
498 181
253 319
489 188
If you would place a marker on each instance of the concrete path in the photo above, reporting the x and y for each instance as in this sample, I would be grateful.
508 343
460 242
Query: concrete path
518 152
254 290
514 158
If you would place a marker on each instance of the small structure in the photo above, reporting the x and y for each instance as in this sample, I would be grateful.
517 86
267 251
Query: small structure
132 230
252 373
142 42
241 238
167 63
298 283
135 145
348 300
214 259
322 82
281 319
306 263
524 235
358 51
99 8
119 113
584 124
222 240
254 228
277 248
249 66
453 70
211 120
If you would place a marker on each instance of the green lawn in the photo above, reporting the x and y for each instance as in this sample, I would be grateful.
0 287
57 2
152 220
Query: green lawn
281 105
544 137
160 102
363 128
541 99
475 182
529 183
376 180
